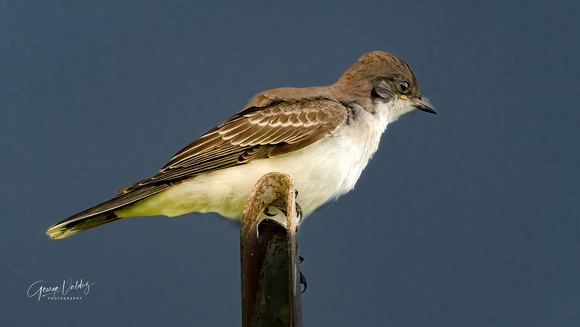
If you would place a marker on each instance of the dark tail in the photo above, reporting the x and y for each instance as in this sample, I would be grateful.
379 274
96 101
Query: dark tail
70 227
102 213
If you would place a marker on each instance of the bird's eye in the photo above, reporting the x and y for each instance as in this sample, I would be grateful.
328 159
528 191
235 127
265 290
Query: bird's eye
404 86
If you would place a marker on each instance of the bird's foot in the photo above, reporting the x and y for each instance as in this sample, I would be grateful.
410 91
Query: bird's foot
268 213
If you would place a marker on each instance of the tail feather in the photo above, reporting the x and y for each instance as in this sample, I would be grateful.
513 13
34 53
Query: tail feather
70 227
102 213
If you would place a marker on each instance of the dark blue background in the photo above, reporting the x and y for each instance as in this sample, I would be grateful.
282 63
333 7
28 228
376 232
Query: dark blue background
468 218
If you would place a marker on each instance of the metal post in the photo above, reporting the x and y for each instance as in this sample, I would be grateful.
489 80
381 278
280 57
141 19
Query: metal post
269 255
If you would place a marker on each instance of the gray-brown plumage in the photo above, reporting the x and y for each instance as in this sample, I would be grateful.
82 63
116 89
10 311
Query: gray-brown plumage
274 123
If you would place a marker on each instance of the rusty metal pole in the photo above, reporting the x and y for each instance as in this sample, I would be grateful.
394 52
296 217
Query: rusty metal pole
269 255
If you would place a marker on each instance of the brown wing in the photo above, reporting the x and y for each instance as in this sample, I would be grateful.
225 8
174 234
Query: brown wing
274 123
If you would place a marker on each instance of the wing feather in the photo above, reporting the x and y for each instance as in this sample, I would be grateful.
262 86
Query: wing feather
274 123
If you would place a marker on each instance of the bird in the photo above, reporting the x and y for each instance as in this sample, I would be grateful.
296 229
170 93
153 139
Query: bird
323 137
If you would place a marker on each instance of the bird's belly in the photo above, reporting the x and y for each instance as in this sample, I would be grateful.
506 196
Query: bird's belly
321 172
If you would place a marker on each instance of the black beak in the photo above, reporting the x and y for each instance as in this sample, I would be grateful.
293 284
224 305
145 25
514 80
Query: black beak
423 104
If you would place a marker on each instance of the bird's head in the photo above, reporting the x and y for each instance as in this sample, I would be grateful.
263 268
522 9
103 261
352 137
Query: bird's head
381 77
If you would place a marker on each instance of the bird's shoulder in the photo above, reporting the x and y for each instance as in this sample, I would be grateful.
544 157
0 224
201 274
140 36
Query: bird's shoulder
291 99
289 94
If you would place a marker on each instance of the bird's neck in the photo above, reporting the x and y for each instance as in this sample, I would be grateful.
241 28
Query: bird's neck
389 112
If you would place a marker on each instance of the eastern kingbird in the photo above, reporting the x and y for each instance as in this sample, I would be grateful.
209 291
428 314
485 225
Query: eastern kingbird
323 137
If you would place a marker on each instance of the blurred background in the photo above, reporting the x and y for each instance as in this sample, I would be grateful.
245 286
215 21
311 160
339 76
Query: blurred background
468 218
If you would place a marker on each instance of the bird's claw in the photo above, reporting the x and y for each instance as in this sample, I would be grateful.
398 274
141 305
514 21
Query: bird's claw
302 278
299 212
